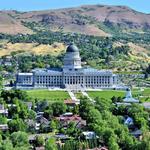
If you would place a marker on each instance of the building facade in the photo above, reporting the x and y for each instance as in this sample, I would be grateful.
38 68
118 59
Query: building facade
71 76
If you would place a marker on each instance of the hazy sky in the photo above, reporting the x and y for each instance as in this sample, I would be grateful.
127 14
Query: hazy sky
27 5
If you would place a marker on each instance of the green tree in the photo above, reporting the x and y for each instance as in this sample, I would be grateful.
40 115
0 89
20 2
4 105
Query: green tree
6 145
58 108
1 82
146 140
53 125
39 141
51 144
3 120
112 144
17 125
19 139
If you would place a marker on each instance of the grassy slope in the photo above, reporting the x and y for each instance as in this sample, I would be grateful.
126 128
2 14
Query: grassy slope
35 48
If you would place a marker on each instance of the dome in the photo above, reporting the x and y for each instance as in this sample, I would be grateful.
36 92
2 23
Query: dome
72 48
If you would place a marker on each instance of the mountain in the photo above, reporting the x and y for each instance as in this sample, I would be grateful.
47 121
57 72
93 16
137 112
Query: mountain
11 25
85 19
120 35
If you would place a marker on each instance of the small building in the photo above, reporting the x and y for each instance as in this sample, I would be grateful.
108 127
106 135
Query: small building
3 111
71 103
101 148
128 97
137 133
62 137
69 117
40 148
3 127
128 121
89 135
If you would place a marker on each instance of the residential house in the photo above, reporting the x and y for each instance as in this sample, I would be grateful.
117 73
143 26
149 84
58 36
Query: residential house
71 103
89 135
3 127
3 111
66 118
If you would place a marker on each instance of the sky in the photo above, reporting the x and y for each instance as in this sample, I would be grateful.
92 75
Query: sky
29 5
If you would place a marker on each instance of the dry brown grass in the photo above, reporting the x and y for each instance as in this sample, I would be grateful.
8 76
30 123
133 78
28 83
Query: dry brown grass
138 52
86 29
10 25
34 48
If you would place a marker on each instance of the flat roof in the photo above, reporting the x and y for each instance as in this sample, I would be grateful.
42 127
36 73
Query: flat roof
29 74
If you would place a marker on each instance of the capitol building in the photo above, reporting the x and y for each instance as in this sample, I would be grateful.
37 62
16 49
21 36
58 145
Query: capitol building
71 76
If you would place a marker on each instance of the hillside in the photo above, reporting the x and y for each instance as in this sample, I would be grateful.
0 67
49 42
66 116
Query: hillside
113 37
82 19
10 25
33 48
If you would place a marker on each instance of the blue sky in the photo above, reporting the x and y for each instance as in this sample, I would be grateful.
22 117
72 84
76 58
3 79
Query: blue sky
27 5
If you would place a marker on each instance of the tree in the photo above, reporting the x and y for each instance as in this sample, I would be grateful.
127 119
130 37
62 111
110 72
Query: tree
48 112
146 141
1 82
75 109
85 105
17 125
19 139
39 141
31 114
93 116
51 144
72 130
58 108
103 104
6 145
3 120
53 125
112 144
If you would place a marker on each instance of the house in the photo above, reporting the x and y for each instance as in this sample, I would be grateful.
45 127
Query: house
40 148
66 118
88 135
3 127
62 137
42 122
137 133
39 114
3 111
71 103
128 121
7 61
101 148
11 105
32 137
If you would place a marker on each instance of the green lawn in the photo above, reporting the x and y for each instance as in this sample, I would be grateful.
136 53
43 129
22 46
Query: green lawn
146 95
146 92
48 95
109 94
106 94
